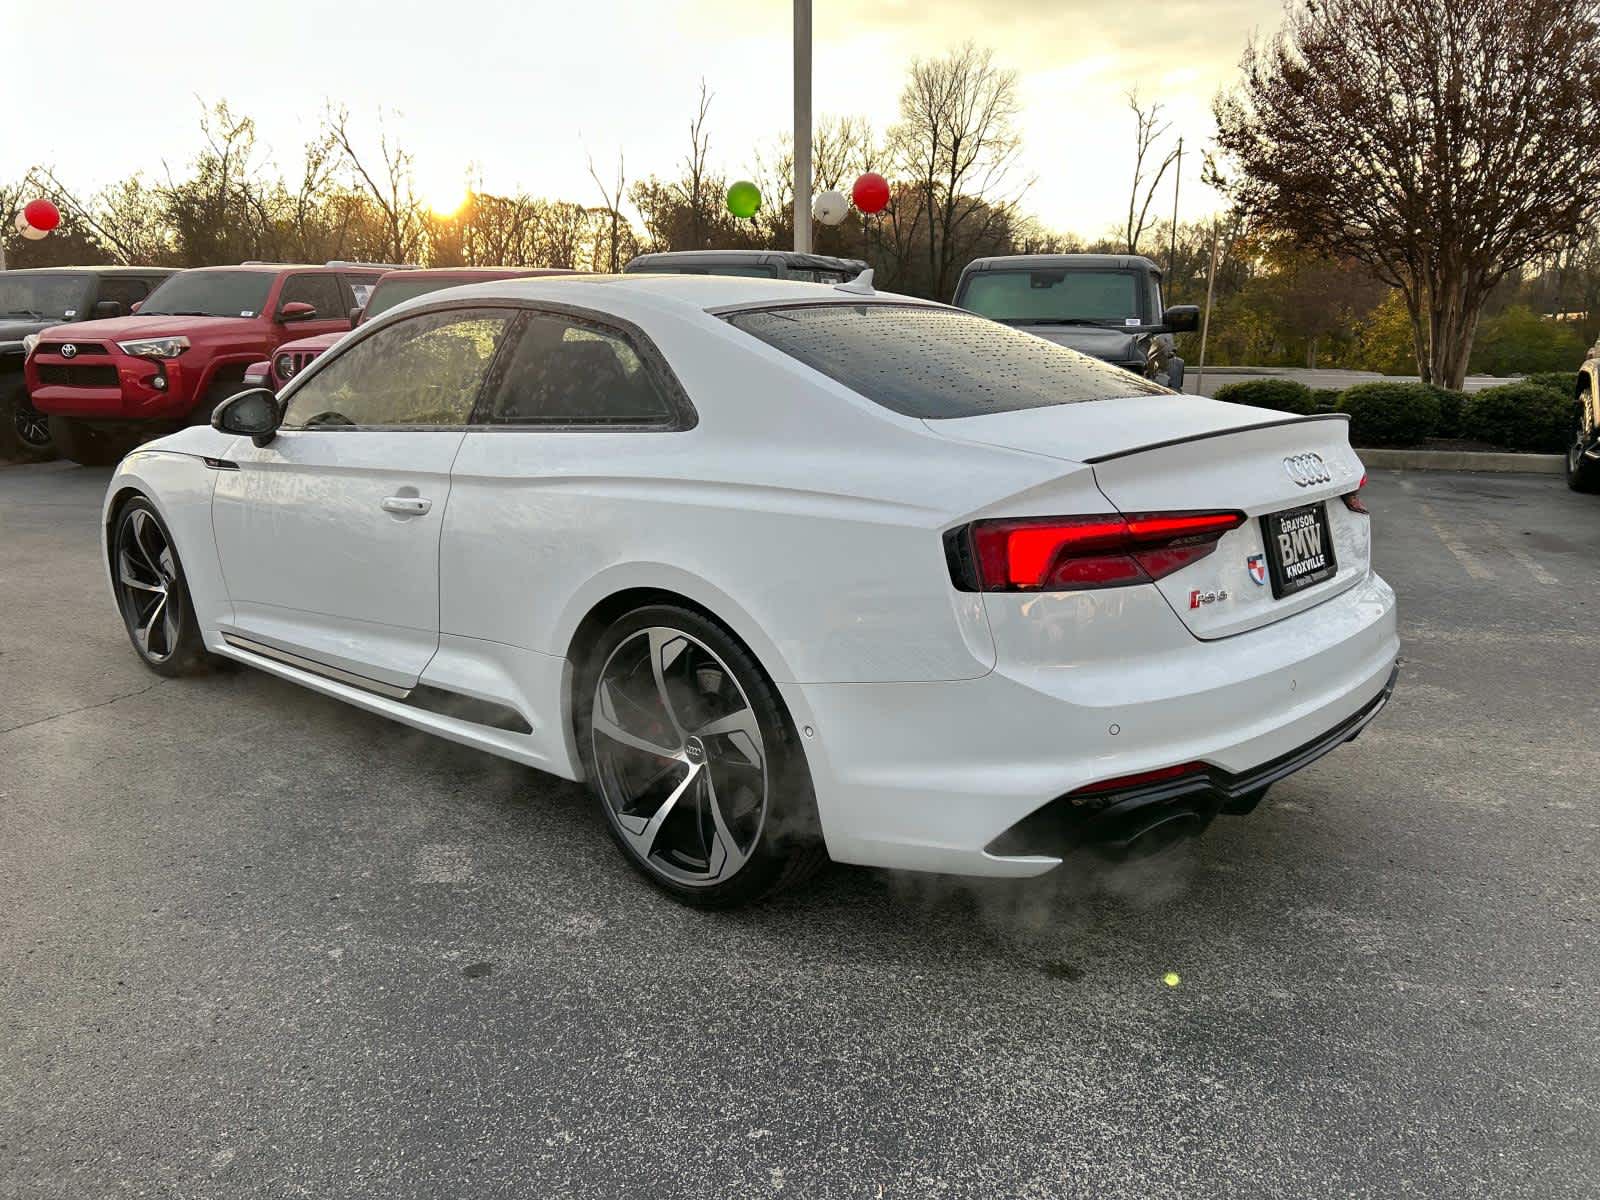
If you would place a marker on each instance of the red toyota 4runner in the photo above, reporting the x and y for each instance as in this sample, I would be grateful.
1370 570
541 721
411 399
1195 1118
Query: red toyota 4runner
292 357
108 385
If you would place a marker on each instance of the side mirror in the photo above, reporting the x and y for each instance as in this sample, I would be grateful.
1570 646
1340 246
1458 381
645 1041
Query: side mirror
136 306
296 310
1182 318
355 315
104 309
253 414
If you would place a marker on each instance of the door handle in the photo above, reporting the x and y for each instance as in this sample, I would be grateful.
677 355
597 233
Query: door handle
406 506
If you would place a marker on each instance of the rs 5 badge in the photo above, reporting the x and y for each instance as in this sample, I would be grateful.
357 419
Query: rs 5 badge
1197 598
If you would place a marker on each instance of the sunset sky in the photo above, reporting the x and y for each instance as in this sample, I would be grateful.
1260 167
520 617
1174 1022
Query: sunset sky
520 93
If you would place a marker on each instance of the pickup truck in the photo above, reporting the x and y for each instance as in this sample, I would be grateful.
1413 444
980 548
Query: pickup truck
105 386
1104 305
32 301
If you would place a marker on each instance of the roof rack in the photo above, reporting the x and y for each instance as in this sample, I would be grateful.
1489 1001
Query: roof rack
339 262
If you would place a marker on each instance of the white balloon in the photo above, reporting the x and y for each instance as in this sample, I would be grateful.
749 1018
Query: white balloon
22 222
830 207
32 234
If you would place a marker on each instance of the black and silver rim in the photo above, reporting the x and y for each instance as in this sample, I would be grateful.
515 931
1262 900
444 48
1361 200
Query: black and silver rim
147 585
32 426
679 757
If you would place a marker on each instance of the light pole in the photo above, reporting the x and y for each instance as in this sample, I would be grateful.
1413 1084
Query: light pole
802 126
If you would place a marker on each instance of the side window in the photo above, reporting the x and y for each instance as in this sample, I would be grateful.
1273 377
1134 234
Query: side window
357 289
319 291
565 371
125 290
424 370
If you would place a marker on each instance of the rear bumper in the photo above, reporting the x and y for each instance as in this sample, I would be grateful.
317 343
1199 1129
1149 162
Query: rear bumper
927 776
1108 818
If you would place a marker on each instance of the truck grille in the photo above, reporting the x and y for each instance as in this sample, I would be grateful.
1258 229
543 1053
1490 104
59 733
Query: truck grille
89 348
72 375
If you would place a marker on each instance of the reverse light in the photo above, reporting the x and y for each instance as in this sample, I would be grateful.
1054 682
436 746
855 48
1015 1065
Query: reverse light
156 347
1046 554
1353 501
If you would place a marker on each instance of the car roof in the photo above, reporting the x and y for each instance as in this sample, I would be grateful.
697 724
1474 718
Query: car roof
789 258
1026 262
275 268
642 293
473 272
95 269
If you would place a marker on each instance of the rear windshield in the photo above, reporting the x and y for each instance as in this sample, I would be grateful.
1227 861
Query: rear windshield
210 294
936 363
1099 297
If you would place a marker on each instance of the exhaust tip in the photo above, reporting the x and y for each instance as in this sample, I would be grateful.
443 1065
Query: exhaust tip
1149 835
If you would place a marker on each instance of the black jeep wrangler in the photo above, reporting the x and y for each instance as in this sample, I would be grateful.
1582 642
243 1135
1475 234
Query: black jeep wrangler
1105 305
35 300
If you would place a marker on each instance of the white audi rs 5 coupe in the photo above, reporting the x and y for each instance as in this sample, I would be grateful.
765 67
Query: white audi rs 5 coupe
782 571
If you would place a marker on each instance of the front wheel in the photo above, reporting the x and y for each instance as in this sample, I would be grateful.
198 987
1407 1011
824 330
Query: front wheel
1583 471
24 430
694 760
152 593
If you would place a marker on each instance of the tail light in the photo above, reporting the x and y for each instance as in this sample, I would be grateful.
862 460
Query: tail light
1045 554
1353 501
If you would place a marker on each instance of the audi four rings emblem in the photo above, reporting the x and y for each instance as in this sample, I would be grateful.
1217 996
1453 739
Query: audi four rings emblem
69 351
1307 470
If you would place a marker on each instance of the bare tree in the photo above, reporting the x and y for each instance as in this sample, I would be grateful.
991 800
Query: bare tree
1442 143
612 201
388 184
695 173
955 147
1147 174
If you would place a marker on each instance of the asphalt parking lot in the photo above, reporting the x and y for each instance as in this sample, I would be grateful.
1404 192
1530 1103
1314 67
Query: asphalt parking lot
257 944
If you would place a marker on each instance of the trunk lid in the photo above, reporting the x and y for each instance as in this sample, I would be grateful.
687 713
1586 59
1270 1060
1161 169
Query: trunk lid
1171 453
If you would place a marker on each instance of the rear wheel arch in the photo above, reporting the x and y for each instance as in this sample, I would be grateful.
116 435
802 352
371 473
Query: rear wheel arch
603 613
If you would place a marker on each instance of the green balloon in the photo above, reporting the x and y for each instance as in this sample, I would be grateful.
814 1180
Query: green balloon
743 199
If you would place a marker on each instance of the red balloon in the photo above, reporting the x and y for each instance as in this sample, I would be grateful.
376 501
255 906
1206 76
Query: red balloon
41 214
871 193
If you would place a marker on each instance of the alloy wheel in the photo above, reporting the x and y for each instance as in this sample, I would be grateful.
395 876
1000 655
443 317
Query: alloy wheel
32 426
148 587
680 760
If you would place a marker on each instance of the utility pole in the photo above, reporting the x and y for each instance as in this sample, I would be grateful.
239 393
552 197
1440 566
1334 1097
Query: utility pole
802 126
1205 324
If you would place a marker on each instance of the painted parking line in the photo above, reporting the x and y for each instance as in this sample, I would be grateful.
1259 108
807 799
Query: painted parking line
1525 560
1470 562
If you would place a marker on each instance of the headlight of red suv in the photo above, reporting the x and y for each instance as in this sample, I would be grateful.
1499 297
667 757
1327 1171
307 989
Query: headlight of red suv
156 347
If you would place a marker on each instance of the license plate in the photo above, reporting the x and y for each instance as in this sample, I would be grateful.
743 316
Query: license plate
1299 548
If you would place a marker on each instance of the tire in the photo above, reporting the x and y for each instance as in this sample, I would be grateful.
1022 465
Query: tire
24 430
152 593
1583 472
88 447
706 790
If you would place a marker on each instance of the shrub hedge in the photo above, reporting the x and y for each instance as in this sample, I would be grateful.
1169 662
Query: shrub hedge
1519 416
1391 414
1450 405
1563 382
1281 395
